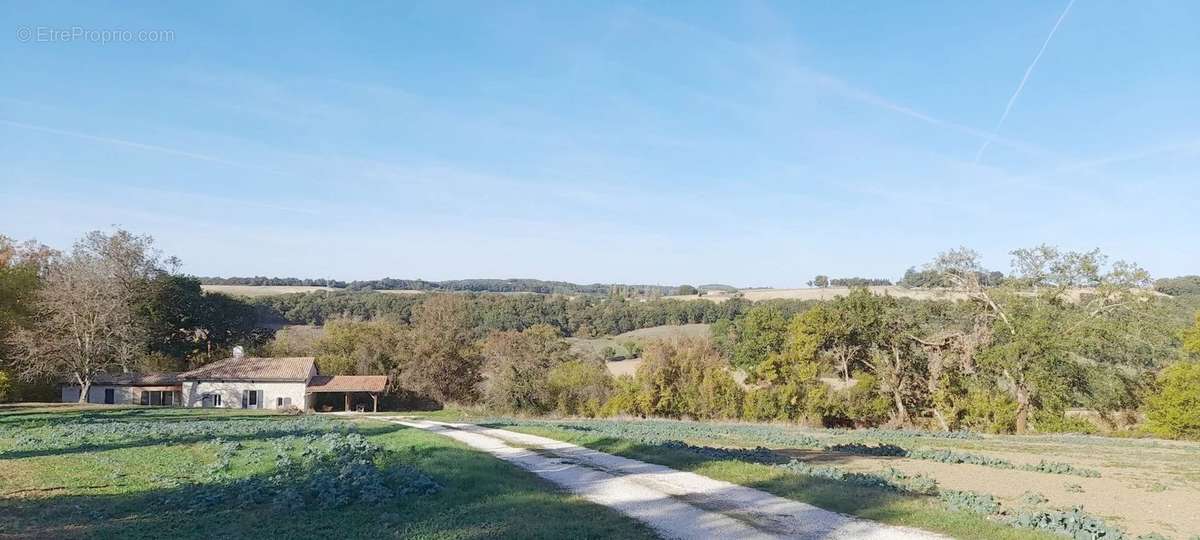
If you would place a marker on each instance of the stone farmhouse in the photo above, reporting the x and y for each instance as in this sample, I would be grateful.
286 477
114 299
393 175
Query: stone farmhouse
238 383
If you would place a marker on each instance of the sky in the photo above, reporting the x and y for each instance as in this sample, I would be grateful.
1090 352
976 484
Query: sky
753 144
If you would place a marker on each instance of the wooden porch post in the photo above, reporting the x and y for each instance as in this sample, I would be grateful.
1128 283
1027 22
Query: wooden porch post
347 401
374 402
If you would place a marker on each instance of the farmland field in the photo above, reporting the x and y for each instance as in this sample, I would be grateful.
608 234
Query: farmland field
1142 486
96 472
592 346
628 365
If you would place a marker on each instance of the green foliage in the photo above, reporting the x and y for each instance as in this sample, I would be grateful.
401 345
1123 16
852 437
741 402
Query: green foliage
579 387
580 316
890 478
1191 338
348 347
1174 411
686 290
186 323
1178 286
5 386
518 367
1056 422
679 379
1074 523
760 333
969 501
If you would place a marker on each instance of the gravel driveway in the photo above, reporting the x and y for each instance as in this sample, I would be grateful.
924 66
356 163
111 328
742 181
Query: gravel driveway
675 504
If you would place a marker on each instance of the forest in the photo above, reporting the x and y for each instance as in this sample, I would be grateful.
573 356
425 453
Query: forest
1064 341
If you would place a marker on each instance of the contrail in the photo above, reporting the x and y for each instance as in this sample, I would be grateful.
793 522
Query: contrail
132 144
1028 71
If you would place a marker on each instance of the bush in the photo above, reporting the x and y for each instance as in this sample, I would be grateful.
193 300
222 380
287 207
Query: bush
763 404
679 379
1174 412
579 387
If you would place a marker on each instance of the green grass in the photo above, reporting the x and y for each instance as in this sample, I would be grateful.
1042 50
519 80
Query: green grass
923 512
113 484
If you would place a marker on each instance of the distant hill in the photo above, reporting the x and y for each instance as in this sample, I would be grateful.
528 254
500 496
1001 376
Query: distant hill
458 285
717 287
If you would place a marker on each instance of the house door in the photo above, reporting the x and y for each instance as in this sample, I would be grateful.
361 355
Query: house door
252 399
110 396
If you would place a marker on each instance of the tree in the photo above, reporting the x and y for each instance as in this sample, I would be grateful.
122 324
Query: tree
686 290
517 366
1178 286
1174 411
19 269
188 324
438 356
85 320
1041 316
759 333
821 281
1191 338
348 347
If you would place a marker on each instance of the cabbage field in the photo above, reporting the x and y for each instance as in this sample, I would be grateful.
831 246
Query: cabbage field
95 472
961 483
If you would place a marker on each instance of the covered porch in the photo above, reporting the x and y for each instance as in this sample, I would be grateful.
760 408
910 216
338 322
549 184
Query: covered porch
354 390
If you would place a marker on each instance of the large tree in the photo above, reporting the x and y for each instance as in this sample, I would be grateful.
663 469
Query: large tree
438 354
517 366
185 323
85 315
1042 317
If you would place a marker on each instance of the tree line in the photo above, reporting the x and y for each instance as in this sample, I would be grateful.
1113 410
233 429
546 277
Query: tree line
1062 330
537 286
578 316
111 304
1011 358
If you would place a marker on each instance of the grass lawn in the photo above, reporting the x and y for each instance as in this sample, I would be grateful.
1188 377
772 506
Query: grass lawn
186 473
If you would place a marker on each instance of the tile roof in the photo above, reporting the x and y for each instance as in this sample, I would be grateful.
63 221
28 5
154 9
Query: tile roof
134 379
253 369
348 383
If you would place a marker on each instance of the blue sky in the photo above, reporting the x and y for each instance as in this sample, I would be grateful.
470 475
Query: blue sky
754 143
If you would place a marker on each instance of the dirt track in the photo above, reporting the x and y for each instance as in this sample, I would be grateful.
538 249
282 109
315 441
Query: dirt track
675 504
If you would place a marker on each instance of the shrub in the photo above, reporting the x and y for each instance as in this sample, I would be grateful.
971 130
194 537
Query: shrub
579 387
989 410
686 378
1174 412
761 404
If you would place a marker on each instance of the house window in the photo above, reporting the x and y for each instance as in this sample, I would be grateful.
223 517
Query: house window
281 402
252 399
165 398
110 396
210 400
